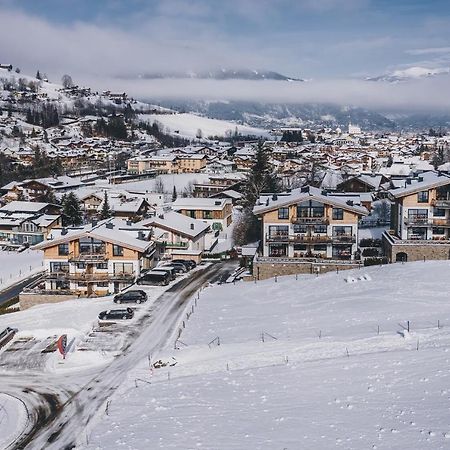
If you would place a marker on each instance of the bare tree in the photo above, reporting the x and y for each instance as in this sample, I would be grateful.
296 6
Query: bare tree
67 81
159 186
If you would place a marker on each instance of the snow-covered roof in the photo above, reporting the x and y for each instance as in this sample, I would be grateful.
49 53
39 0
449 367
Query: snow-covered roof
114 231
178 223
210 204
274 201
423 182
22 206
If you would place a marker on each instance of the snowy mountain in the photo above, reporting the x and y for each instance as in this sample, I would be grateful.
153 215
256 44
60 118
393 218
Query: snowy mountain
222 74
270 115
409 74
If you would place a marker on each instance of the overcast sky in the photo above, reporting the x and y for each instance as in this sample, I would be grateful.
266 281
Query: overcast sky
313 39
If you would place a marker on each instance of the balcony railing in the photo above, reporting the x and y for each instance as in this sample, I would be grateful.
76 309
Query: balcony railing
175 244
88 257
91 277
427 221
310 220
299 238
441 202
344 238
418 220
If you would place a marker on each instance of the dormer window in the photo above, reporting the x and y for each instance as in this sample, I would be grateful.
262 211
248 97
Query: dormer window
283 213
422 197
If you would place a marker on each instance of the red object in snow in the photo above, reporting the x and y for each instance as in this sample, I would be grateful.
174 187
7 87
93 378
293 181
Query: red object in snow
62 344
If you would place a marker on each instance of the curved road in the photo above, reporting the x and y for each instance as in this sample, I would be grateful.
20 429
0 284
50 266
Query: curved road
62 406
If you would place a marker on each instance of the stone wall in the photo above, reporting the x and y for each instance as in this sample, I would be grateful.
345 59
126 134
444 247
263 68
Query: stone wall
265 270
27 300
416 252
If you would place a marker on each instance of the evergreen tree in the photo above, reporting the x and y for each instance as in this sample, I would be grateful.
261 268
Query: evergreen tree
174 193
260 179
72 214
38 75
106 212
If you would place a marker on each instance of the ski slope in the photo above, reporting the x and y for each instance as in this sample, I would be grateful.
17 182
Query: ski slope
187 125
312 363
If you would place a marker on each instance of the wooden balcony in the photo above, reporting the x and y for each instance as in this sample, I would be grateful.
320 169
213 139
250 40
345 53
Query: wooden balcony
91 277
310 220
299 238
88 257
441 203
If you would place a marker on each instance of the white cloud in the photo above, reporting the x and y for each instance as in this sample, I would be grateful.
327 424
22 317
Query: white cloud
419 95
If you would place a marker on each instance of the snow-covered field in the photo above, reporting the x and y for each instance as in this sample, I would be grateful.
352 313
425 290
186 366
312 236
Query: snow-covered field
180 181
16 266
13 418
187 125
337 368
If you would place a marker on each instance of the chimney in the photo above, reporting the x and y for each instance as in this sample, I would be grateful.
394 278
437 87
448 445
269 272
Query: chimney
110 225
64 231
349 202
94 223
274 197
192 226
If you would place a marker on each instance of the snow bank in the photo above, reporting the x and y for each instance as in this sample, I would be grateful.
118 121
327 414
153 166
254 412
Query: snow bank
16 266
13 419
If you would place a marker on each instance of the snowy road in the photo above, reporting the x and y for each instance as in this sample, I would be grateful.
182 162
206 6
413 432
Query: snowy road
61 406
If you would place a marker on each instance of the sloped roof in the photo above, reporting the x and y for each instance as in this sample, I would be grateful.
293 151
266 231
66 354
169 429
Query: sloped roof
178 223
270 202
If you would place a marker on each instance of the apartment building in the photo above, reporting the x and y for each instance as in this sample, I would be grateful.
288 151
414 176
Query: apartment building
217 212
93 260
309 223
420 219
168 163
180 237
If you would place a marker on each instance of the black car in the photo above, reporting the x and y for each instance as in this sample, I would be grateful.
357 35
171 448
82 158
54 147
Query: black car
155 278
187 262
179 267
116 314
135 296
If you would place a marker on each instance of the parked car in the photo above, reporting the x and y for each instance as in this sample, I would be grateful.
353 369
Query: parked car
187 262
178 267
151 278
134 296
116 314
169 269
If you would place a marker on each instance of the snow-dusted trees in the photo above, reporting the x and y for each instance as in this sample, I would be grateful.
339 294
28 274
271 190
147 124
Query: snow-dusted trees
66 81
106 212
72 214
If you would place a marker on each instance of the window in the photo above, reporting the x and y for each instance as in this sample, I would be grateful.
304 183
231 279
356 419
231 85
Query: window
277 250
438 212
299 248
207 215
102 265
342 231
283 213
300 229
59 267
63 249
418 215
320 248
102 284
320 229
278 231
438 230
117 250
338 214
81 265
191 213
422 197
